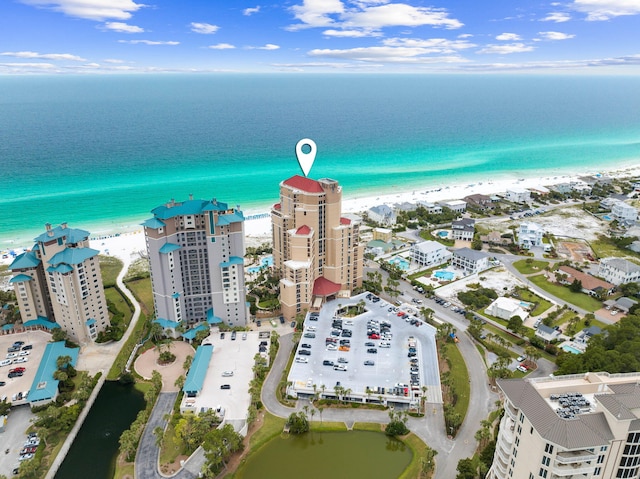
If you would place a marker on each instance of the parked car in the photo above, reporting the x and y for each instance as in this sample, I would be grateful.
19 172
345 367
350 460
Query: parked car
304 352
227 374
326 362
292 324
301 360
306 346
27 347
233 336
225 386
372 351
369 363
309 335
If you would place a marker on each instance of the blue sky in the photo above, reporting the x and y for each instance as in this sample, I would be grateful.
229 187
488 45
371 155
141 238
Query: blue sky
110 36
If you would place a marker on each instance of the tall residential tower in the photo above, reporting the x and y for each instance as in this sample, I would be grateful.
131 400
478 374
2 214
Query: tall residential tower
316 251
196 250
59 281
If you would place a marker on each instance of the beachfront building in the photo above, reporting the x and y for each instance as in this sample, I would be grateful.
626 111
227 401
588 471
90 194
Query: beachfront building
506 308
316 251
59 282
479 202
196 250
623 212
573 426
458 206
618 271
469 260
382 214
431 208
530 235
463 229
430 253
518 195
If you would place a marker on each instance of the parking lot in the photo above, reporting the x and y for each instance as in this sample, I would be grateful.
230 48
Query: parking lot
391 369
13 438
234 356
16 386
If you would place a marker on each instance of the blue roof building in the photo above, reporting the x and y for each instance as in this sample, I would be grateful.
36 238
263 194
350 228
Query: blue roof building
44 388
198 370
191 334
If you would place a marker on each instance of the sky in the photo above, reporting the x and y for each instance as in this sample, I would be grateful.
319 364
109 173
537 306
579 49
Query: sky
377 36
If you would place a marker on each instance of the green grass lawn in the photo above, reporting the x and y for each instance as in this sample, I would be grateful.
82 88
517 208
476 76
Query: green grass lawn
541 304
459 378
529 268
141 289
578 299
272 427
603 247
420 451
113 295
110 267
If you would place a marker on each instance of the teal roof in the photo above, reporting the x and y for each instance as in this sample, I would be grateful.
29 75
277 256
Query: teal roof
191 334
73 235
25 261
198 369
73 256
169 247
90 322
61 268
44 387
212 318
154 223
232 260
190 207
7 327
175 295
379 244
217 206
236 217
20 278
42 321
167 323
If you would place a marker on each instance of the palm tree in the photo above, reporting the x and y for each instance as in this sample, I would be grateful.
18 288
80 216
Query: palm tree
62 361
320 409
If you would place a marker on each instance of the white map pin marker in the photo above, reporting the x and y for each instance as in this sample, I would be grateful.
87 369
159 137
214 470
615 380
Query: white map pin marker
306 159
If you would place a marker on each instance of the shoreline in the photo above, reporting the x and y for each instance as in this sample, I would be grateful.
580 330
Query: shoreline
128 239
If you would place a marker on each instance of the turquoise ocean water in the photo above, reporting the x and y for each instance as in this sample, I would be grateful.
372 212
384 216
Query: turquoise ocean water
101 151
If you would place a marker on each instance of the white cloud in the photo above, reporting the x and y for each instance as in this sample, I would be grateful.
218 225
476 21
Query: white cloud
221 46
123 27
46 66
250 11
44 56
351 33
113 60
204 28
368 15
90 9
149 42
508 37
386 54
465 35
506 49
555 35
268 46
431 45
598 10
558 17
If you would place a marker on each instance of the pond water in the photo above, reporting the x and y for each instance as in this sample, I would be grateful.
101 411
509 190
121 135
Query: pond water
318 455
95 449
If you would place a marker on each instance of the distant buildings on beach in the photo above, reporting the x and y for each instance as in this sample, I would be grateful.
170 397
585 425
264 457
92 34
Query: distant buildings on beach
58 284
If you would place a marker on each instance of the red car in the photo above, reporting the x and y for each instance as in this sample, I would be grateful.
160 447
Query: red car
374 336
17 370
29 450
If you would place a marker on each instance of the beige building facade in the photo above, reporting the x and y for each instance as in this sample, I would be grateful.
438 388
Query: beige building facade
58 283
564 427
316 251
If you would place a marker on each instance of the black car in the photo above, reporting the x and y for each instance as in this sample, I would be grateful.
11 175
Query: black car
14 375
18 343
258 323
369 344
27 347
412 355
372 351
233 336
369 363
2 383
225 386
326 362
306 346
221 335
281 319
304 352
293 324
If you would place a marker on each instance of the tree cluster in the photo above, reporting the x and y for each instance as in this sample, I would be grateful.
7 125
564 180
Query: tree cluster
298 423
397 425
478 298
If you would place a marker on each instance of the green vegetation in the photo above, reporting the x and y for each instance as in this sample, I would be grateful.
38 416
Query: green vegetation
298 423
426 234
110 268
605 247
530 266
272 426
423 461
541 305
121 360
397 425
581 300
139 269
143 293
455 385
120 313
478 298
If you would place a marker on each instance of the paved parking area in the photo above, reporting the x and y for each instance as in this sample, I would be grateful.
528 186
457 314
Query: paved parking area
13 438
13 386
235 356
391 364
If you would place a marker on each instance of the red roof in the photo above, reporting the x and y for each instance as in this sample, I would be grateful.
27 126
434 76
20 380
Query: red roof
345 221
304 184
277 206
303 230
323 287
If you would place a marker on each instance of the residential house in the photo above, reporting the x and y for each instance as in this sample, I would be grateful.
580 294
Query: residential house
618 271
382 234
458 206
470 260
590 284
430 253
518 195
495 238
586 334
546 333
431 208
623 212
506 308
405 206
463 229
530 235
623 304
480 202
382 214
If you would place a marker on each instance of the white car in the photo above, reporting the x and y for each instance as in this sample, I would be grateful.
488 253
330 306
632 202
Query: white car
227 374
12 355
24 353
384 345
20 360
311 328
300 359
332 347
6 362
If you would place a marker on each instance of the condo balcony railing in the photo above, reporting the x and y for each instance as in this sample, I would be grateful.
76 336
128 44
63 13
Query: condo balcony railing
572 457
576 469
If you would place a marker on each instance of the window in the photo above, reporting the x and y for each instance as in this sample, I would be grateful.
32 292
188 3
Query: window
543 472
548 448
545 460
596 471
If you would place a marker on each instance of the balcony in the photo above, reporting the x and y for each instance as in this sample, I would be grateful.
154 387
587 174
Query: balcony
576 469
571 457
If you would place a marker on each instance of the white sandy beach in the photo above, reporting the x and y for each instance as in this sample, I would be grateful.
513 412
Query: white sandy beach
259 230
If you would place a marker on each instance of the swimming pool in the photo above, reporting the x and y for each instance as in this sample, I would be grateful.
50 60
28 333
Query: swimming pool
524 304
264 263
607 217
443 234
570 349
401 263
444 274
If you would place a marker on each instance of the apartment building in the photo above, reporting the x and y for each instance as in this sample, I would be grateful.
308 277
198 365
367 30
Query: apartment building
618 271
196 251
569 427
58 283
430 253
316 250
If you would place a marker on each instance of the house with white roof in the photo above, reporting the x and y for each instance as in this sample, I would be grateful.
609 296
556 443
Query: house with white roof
529 235
623 212
382 214
518 195
506 308
432 208
430 253
470 260
618 271
458 206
